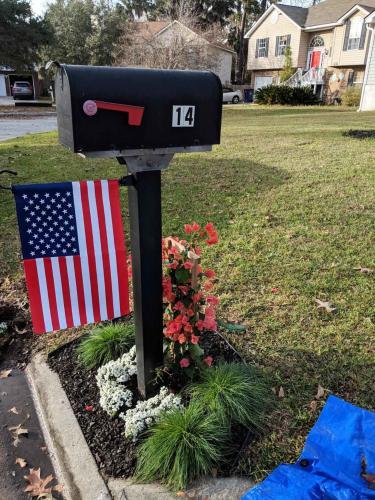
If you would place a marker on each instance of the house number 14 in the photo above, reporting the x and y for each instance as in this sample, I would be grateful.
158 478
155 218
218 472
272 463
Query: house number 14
183 116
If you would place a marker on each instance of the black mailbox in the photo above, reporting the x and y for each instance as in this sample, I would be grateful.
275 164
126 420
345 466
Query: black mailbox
112 109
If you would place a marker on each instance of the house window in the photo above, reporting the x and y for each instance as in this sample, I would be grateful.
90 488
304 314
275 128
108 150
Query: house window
317 41
354 78
262 47
282 42
355 33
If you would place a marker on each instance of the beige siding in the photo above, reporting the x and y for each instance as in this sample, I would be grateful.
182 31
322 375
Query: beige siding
341 57
283 26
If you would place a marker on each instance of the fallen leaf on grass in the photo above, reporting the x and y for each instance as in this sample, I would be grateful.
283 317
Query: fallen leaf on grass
313 406
320 392
21 462
5 373
281 394
13 410
17 432
325 305
181 494
364 270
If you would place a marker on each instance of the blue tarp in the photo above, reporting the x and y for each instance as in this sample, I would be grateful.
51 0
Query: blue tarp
331 463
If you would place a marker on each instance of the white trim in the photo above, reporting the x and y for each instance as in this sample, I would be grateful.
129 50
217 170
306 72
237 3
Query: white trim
370 19
365 78
318 27
263 17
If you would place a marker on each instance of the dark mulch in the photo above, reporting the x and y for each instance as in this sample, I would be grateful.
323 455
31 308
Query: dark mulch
115 455
360 134
16 339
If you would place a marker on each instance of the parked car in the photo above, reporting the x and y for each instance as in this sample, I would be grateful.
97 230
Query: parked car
22 90
230 95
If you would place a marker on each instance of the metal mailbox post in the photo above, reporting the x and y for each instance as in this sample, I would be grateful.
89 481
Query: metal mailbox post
142 117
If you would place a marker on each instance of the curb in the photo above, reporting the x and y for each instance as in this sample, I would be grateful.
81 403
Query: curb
74 465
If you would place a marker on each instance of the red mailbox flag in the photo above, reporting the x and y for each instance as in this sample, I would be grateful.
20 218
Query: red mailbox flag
74 252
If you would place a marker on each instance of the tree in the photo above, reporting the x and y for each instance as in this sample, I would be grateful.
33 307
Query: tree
187 45
21 34
84 32
288 69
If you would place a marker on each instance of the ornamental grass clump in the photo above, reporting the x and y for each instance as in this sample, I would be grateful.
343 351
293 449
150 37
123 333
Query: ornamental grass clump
234 393
183 446
105 343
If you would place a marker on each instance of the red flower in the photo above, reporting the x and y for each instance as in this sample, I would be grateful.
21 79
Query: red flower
194 339
208 360
209 273
212 300
188 228
182 338
274 290
212 239
89 408
210 227
184 363
195 227
188 265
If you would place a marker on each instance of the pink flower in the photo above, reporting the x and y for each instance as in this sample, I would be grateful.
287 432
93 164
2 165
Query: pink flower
188 265
188 228
212 300
184 363
194 339
208 360
209 273
89 407
274 290
182 338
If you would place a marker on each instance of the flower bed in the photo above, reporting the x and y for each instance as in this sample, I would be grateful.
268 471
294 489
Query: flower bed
203 404
114 454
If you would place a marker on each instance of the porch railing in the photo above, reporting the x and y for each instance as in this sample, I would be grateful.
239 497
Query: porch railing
314 76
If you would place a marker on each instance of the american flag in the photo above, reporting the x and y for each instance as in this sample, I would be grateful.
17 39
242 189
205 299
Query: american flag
74 253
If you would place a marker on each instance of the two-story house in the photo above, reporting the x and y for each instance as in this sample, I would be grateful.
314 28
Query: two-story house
329 45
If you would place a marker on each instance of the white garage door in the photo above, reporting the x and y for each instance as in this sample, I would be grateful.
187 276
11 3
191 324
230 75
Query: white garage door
3 90
262 81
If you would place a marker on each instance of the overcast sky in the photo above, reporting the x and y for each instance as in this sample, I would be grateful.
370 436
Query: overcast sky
39 6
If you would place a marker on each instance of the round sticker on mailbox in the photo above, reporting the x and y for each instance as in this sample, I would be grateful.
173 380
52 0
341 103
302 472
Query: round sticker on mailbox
183 116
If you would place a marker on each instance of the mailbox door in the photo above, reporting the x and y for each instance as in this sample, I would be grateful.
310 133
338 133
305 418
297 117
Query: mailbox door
178 108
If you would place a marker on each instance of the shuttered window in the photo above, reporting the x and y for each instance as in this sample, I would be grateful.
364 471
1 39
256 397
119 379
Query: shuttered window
355 34
262 47
282 42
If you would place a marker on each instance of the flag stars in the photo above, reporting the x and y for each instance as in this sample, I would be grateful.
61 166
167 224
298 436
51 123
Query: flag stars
26 208
36 195
46 195
24 196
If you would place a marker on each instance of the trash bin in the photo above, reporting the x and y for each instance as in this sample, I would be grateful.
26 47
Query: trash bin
248 95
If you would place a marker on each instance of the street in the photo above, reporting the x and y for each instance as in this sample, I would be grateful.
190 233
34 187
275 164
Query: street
11 128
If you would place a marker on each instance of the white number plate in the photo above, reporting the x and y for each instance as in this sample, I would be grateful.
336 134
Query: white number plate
183 116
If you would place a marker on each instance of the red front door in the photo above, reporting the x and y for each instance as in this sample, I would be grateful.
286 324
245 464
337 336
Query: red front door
315 59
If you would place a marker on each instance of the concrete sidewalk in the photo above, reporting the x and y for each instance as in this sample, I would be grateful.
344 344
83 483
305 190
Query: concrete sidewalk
12 128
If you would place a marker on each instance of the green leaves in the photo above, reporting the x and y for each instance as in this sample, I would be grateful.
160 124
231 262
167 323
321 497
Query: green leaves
105 343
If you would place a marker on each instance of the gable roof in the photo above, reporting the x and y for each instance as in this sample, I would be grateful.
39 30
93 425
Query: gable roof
330 11
150 29
326 13
296 14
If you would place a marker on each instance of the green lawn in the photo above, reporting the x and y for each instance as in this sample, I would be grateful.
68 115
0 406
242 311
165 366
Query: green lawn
294 202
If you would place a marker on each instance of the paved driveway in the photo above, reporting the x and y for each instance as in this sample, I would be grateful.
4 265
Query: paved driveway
11 128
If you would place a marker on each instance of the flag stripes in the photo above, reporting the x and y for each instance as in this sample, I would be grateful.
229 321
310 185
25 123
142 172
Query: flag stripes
67 291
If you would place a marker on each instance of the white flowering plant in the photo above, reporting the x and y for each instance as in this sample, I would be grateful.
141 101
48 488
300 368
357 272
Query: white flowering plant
117 399
111 378
146 412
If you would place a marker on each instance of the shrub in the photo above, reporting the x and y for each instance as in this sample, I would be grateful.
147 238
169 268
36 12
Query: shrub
288 70
234 392
105 343
189 309
351 96
284 94
182 447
